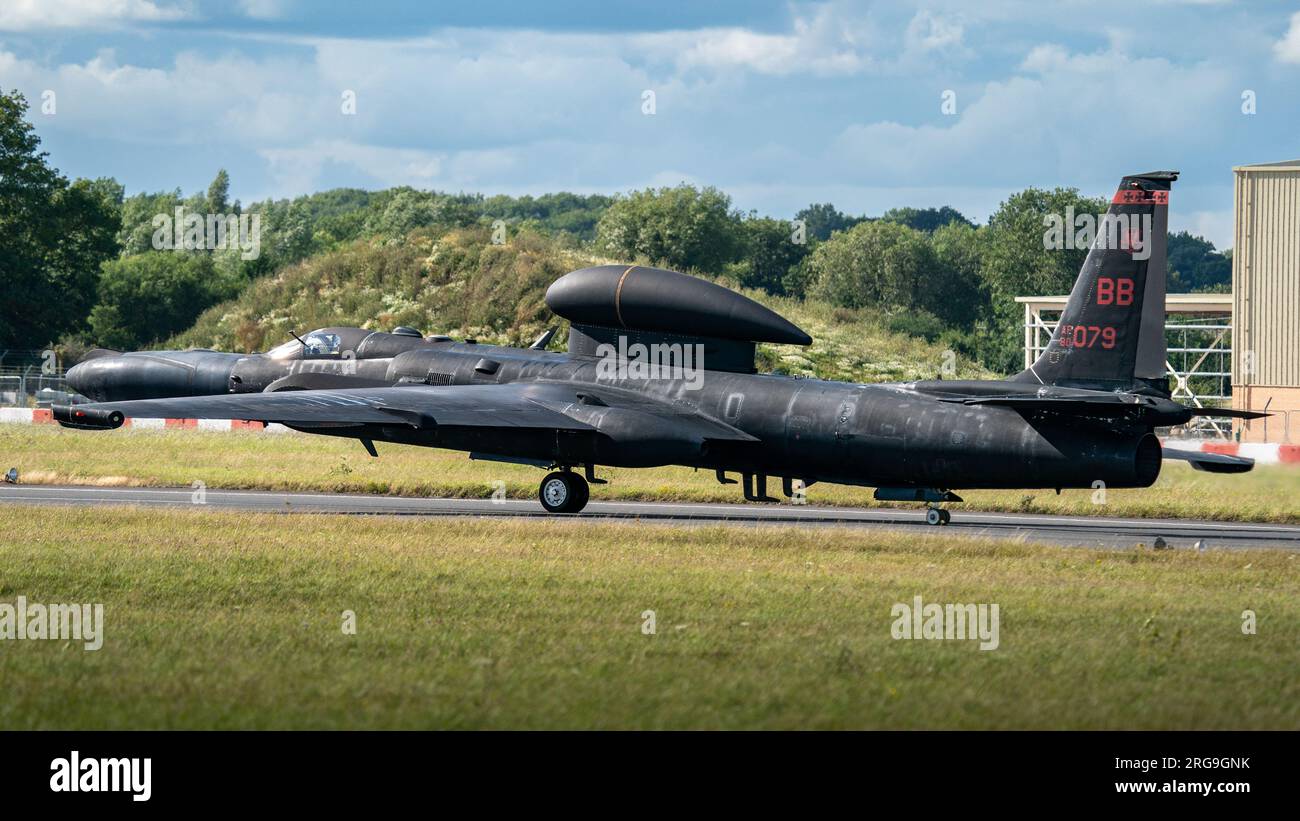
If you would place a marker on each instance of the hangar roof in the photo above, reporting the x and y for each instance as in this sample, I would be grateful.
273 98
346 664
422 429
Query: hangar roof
1284 165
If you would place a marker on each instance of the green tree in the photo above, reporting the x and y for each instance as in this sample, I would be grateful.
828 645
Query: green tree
407 209
958 295
289 233
151 296
799 279
138 211
769 253
457 210
575 214
219 193
53 236
926 219
1195 265
879 263
682 227
1016 263
823 219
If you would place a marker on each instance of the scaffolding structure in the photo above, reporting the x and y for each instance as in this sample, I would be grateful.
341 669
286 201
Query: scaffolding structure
1198 338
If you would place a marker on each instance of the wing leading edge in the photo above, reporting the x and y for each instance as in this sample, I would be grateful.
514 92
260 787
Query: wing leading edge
414 405
546 406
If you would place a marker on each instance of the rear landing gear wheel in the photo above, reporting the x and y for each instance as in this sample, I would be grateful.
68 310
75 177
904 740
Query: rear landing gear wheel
937 516
563 492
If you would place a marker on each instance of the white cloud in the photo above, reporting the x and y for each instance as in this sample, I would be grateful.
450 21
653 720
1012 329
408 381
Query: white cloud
1288 48
516 111
1062 115
464 110
827 39
264 9
24 15
928 32
831 40
298 169
824 44
193 101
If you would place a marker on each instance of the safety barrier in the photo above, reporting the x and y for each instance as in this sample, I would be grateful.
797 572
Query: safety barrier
1263 453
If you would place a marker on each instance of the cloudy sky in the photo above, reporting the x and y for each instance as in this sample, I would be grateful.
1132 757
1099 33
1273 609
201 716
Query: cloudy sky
778 103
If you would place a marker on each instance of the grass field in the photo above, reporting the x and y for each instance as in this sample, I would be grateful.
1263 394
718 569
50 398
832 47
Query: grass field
53 455
222 620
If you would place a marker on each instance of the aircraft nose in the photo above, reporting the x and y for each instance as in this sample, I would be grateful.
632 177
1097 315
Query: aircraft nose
75 377
109 378
153 375
89 376
86 378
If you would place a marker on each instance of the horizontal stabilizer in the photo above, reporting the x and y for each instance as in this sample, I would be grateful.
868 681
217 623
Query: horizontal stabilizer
1211 462
1154 410
1232 413
1100 404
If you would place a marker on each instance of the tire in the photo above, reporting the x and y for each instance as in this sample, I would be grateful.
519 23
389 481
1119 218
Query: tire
947 516
583 494
563 492
934 516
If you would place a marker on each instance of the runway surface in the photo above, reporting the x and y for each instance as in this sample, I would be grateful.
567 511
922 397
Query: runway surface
1082 531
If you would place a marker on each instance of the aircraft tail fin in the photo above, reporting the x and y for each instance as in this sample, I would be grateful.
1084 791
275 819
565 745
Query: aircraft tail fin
1111 333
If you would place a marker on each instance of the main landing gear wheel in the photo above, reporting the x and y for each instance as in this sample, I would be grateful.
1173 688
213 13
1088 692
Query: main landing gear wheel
937 516
564 492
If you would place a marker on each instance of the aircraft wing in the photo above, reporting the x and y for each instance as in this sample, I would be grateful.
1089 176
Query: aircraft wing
683 417
540 405
513 405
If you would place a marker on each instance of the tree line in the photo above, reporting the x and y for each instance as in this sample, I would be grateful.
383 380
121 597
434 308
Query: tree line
928 272
82 264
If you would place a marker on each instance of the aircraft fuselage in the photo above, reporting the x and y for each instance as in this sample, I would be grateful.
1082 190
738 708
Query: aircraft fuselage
900 434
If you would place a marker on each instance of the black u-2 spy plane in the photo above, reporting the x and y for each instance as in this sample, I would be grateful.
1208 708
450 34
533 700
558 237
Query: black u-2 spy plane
660 371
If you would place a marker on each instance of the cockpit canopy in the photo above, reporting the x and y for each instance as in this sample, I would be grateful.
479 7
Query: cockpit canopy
322 343
352 343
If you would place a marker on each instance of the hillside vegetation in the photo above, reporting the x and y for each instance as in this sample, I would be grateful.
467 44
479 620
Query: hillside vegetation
461 283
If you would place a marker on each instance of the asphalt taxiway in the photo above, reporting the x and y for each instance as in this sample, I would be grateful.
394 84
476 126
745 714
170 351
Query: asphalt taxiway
1080 531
